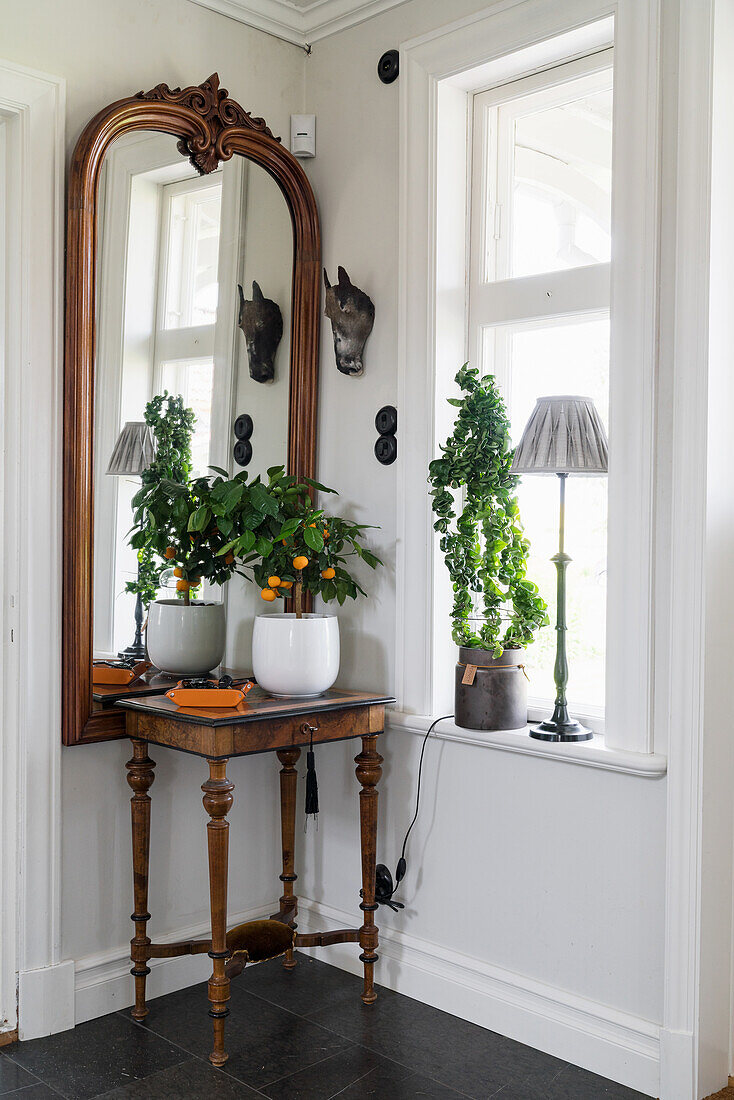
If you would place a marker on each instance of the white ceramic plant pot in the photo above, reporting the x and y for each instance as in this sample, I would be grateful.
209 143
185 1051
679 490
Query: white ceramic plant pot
186 641
293 656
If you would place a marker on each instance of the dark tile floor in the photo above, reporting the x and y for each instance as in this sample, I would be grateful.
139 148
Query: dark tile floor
303 1035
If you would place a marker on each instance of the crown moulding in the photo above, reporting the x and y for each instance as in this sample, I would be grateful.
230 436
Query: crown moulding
301 24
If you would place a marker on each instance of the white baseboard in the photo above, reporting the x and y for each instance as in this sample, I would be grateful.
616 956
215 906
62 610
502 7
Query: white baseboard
677 1065
45 1000
102 983
615 1044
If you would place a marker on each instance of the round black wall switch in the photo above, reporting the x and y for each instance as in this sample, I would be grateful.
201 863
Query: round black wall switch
388 66
386 449
242 452
386 420
243 426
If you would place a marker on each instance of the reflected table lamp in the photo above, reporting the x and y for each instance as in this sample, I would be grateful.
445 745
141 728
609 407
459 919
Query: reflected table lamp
564 436
132 454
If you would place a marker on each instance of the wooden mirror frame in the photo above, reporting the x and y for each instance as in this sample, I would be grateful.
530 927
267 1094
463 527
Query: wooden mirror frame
211 128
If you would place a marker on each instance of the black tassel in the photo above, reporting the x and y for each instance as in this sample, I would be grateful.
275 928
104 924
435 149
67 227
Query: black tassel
312 786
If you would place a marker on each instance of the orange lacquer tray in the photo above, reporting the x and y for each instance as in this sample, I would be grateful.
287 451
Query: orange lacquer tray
208 697
104 673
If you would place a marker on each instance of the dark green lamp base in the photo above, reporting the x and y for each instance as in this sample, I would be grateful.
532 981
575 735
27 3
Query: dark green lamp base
561 727
570 730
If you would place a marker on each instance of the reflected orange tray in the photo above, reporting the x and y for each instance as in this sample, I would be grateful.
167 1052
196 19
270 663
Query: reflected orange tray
103 673
208 697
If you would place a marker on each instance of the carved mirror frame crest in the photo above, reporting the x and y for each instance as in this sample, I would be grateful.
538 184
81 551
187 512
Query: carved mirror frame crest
211 128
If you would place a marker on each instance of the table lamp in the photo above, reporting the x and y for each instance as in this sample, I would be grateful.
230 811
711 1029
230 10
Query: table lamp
133 452
564 436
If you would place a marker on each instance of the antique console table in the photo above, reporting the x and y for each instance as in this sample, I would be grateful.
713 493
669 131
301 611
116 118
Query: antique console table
262 723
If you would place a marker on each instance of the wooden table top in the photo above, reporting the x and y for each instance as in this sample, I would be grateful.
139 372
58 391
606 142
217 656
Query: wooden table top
257 706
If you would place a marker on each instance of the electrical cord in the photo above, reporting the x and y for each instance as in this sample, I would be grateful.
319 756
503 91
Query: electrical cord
385 888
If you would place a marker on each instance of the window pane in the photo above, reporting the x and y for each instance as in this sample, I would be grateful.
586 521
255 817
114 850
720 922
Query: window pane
193 256
561 183
194 381
534 360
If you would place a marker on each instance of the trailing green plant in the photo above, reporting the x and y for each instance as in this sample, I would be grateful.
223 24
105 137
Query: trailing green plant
484 546
173 426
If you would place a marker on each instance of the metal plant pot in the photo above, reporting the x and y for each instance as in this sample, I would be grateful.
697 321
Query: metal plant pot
497 697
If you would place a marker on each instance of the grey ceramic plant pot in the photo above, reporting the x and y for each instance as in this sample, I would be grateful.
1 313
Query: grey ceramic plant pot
186 641
497 699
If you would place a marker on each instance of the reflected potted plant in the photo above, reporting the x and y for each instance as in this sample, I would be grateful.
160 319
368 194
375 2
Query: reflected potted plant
187 525
295 652
173 426
486 552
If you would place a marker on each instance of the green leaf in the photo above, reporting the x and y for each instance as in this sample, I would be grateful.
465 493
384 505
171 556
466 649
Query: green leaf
246 542
313 538
319 486
199 519
261 499
264 547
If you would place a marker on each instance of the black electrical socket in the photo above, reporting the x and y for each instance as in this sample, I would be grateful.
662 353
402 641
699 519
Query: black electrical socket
386 449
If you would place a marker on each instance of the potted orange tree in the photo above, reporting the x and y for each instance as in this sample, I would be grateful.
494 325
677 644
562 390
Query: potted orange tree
294 651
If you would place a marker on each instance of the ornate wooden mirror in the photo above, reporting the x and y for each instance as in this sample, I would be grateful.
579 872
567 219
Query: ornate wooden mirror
185 216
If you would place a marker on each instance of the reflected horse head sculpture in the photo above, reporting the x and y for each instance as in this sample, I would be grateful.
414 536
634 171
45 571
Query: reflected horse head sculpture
262 323
352 315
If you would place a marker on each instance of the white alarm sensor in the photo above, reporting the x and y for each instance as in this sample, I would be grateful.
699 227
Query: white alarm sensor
303 135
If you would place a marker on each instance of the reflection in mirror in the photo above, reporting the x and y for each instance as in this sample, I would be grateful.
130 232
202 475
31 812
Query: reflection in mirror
173 249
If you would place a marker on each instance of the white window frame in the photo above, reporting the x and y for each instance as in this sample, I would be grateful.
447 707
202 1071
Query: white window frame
440 70
185 342
496 298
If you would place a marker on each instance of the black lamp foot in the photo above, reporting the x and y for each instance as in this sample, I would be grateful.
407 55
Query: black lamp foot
570 730
133 653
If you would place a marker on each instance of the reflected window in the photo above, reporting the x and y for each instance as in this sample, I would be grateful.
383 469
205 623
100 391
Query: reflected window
188 280
192 219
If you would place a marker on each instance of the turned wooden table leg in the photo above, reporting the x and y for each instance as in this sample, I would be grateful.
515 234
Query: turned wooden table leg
140 776
368 773
288 789
218 801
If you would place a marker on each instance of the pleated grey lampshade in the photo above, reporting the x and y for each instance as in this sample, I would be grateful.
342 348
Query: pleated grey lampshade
564 435
134 450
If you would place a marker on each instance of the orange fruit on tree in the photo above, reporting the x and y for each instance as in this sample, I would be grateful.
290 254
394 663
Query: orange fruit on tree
178 571
268 594
326 533
169 553
195 582
182 586
286 584
229 558
300 562
274 582
328 574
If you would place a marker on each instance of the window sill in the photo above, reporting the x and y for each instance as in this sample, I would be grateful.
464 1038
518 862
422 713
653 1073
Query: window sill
589 754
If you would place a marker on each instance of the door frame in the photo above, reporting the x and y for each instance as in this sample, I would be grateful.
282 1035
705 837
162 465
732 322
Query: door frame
32 111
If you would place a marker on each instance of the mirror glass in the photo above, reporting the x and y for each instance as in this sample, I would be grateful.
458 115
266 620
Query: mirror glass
193 299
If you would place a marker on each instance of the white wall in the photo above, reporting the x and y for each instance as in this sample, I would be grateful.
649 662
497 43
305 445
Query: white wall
718 761
545 878
551 872
107 50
